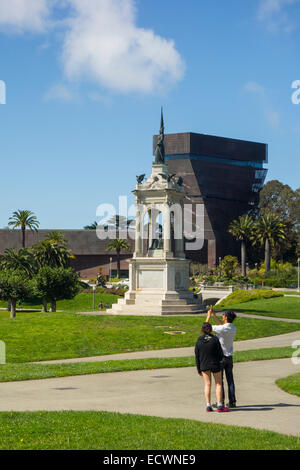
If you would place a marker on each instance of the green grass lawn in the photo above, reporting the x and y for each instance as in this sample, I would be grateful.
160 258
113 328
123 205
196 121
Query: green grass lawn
83 302
290 384
288 292
69 430
17 372
280 307
45 336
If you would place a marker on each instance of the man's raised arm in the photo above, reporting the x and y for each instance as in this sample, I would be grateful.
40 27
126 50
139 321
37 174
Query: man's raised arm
212 313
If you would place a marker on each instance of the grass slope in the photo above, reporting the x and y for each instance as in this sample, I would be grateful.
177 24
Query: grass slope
37 336
281 307
83 302
113 431
240 296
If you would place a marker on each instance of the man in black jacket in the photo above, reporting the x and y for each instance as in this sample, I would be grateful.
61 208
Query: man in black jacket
209 356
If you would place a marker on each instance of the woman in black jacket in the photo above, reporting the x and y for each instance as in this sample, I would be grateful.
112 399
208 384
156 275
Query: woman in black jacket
209 356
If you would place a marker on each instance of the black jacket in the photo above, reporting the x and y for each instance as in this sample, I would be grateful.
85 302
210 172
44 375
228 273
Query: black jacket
208 353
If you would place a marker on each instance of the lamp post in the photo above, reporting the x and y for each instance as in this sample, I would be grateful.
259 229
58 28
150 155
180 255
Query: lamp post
298 275
110 261
94 289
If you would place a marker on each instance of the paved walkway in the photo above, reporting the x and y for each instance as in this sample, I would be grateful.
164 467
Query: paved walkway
176 393
263 317
259 343
240 314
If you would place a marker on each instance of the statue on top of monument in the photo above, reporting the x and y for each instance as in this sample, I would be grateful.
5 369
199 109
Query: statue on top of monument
160 147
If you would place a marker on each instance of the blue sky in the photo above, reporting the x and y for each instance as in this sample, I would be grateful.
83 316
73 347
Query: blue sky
85 80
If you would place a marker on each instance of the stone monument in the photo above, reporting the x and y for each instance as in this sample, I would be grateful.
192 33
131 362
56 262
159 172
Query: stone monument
159 270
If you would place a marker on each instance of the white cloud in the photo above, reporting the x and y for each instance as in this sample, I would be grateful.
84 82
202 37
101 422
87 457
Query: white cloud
101 43
23 15
273 13
104 44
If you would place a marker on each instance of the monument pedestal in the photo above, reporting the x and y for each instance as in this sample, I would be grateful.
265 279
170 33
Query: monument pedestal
158 287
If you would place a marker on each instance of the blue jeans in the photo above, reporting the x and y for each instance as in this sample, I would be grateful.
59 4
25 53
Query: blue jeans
228 369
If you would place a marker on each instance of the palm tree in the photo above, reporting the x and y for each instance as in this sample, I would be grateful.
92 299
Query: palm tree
269 230
53 251
57 237
24 219
93 226
21 260
242 230
117 245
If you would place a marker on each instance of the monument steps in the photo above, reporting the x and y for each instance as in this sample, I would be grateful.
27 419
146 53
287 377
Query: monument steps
159 309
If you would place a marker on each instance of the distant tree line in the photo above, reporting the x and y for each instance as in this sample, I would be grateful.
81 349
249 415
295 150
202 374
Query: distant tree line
42 271
273 230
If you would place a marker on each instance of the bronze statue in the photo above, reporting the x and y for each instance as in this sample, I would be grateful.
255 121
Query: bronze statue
179 181
160 147
140 178
167 177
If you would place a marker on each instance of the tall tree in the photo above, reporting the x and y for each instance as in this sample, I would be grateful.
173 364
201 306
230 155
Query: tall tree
53 251
57 237
119 222
24 219
21 260
269 231
118 245
242 230
281 200
14 286
54 284
92 226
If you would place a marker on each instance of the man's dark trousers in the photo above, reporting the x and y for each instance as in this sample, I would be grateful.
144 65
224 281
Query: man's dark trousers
228 369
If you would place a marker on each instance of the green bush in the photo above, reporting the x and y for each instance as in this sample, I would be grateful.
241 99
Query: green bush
240 296
280 275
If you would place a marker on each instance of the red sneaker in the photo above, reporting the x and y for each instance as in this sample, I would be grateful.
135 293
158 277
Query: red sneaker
209 409
223 409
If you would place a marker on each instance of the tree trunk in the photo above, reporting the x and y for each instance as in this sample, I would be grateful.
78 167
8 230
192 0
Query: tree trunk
267 256
13 305
44 306
243 258
118 265
23 237
53 306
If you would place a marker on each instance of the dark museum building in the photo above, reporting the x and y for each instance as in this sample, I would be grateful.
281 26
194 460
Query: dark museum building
225 175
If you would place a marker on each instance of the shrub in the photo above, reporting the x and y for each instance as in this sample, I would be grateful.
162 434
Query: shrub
240 296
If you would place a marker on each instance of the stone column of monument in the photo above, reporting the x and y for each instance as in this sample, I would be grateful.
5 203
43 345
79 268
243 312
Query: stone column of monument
159 276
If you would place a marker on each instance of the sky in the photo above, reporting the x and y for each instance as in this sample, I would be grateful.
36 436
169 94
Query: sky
83 82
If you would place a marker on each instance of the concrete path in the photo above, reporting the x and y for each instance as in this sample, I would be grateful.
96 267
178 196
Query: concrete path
176 393
245 315
262 317
259 343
